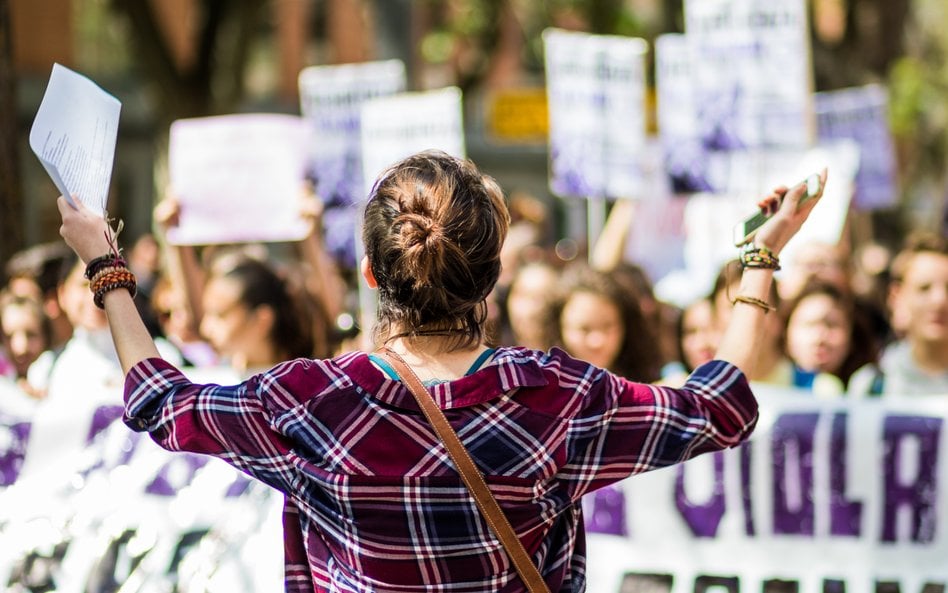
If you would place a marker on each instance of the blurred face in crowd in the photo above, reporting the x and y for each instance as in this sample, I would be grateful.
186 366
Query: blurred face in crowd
75 299
591 327
699 336
921 300
818 334
23 335
527 304
228 324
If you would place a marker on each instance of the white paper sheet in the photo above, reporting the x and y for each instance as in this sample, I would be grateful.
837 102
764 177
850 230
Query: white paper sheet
73 135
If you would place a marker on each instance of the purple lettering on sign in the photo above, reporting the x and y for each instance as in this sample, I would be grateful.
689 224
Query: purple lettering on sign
702 519
834 586
13 439
176 474
845 515
606 513
747 499
919 494
793 436
102 418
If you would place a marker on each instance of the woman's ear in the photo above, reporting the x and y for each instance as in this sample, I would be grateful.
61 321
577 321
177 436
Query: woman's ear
366 269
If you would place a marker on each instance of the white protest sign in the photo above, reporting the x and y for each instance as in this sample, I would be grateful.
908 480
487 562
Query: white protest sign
596 94
861 114
397 127
331 99
751 71
238 178
828 495
677 114
73 135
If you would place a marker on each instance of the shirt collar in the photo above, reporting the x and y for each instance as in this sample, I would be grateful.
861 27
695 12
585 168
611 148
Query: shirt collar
510 369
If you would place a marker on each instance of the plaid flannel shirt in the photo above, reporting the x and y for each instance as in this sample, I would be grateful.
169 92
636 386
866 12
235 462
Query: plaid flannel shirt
373 502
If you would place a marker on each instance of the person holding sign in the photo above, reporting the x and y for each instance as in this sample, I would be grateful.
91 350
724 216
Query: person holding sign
373 503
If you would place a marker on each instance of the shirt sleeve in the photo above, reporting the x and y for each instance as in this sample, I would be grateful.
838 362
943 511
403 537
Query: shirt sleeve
624 428
229 422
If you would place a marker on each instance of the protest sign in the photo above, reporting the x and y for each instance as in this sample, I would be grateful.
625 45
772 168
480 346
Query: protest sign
685 158
238 178
861 114
828 495
738 80
399 126
750 62
331 99
73 135
596 100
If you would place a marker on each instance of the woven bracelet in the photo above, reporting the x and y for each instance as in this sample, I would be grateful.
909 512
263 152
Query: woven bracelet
103 261
767 307
99 296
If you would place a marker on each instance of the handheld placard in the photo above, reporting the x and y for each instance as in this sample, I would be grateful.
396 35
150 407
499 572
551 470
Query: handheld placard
744 231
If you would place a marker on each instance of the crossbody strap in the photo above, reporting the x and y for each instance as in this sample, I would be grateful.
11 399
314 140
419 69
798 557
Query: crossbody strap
469 473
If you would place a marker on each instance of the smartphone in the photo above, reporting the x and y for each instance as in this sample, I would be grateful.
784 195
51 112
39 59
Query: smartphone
744 230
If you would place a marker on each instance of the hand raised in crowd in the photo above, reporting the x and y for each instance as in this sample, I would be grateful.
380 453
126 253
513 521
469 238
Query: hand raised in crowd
788 214
85 231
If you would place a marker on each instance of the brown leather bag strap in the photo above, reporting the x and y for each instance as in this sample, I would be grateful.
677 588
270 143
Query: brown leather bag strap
470 474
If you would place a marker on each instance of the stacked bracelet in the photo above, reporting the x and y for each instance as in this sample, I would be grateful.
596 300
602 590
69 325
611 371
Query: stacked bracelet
103 261
756 257
110 278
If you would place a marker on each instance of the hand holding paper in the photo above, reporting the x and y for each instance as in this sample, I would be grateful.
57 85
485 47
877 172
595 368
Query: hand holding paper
73 135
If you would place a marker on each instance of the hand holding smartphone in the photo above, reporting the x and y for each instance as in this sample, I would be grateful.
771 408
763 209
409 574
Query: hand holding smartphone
744 231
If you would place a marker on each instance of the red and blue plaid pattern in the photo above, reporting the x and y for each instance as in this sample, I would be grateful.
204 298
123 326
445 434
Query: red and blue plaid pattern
373 502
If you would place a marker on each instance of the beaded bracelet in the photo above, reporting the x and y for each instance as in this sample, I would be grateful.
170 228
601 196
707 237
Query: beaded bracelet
112 280
97 264
756 257
103 272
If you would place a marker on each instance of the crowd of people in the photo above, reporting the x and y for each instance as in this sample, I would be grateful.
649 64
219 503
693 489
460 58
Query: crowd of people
835 331
827 329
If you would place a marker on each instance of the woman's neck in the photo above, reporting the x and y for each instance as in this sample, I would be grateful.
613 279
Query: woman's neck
431 358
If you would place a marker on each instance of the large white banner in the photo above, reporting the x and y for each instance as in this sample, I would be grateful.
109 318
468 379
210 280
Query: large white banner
331 99
238 178
862 115
828 495
596 100
844 495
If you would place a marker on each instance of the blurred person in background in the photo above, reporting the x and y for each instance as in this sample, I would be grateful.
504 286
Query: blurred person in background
827 338
601 322
917 363
697 340
24 335
527 306
36 272
252 318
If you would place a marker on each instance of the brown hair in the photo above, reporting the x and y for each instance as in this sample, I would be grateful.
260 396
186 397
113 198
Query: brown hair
639 358
917 242
433 231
